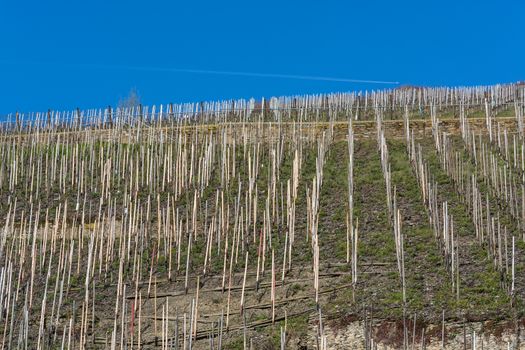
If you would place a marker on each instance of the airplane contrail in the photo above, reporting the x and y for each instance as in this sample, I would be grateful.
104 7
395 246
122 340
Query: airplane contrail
272 75
213 72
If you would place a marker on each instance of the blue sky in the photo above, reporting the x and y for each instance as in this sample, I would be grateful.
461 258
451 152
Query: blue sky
68 54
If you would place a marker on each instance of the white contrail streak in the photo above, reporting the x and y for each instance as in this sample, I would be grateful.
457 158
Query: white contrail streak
271 75
212 72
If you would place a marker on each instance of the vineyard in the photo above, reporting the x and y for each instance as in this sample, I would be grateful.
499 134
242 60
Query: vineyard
389 219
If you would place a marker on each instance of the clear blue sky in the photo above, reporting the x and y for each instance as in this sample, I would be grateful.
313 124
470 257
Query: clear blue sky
67 54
